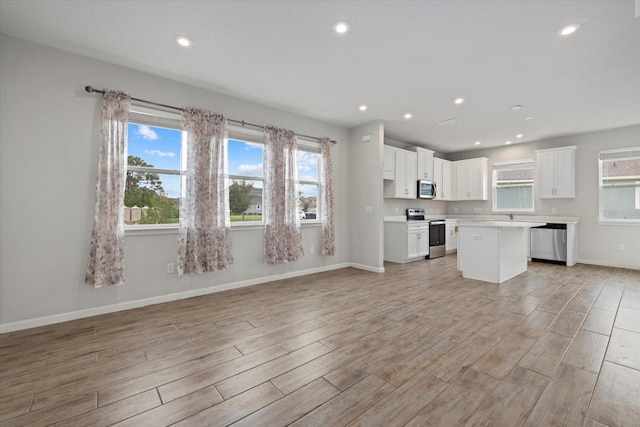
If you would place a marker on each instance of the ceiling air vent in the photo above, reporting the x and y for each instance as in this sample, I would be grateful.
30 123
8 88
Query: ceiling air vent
450 122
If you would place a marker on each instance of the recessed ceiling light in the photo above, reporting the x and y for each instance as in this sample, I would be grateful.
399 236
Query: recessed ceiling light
184 41
516 107
519 135
341 27
477 142
569 29
458 101
362 108
528 118
508 142
408 116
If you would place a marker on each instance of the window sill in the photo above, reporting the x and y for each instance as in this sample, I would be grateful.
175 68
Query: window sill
141 230
627 222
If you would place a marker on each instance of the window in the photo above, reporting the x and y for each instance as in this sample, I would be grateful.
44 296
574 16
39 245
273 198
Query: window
155 161
308 183
620 185
156 164
513 186
246 178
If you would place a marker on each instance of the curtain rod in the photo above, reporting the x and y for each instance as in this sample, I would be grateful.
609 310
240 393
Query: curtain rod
91 89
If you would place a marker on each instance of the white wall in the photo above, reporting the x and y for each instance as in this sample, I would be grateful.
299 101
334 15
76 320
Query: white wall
365 198
597 243
49 134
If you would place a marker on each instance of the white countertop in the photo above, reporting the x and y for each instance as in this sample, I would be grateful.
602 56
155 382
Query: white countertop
499 224
498 218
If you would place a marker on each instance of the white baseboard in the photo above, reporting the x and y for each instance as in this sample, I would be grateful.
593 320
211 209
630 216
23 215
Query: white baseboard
607 264
80 314
367 268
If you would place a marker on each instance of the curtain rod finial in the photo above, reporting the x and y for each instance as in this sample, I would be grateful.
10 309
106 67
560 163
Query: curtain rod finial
89 89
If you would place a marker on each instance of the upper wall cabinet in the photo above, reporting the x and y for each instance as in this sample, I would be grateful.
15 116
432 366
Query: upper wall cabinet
471 178
389 166
425 163
403 185
556 173
443 179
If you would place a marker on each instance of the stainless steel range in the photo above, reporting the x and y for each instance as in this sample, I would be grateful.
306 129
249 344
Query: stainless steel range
437 233
415 214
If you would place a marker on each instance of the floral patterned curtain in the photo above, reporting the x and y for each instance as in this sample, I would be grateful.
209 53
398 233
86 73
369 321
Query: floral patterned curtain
106 258
283 241
204 242
328 245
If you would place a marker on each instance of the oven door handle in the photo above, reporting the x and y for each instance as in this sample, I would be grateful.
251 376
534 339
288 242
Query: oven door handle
437 222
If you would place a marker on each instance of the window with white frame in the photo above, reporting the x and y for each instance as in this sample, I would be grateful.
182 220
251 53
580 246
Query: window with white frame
155 167
309 164
246 177
619 172
513 186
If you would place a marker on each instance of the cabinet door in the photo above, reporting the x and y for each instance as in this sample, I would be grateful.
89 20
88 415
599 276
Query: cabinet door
451 240
423 243
425 164
478 182
389 167
463 178
438 178
446 187
411 184
564 173
546 171
413 244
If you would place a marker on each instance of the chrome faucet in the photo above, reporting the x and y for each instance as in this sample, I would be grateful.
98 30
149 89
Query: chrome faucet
510 215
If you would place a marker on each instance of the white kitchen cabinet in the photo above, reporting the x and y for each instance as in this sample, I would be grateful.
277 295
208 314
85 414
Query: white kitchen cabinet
417 240
406 242
403 185
451 236
425 163
556 173
389 163
442 178
471 178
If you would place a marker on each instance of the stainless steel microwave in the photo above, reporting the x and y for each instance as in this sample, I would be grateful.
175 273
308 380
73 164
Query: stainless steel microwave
426 189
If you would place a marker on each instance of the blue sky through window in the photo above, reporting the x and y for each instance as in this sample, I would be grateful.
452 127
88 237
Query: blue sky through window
159 147
245 158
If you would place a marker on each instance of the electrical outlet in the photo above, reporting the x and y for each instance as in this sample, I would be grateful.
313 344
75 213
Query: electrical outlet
455 210
477 210
170 268
621 246
554 210
312 250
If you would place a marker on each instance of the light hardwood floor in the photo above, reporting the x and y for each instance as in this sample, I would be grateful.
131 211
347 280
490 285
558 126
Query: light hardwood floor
417 346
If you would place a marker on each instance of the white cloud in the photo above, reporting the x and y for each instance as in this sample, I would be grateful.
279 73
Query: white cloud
250 168
160 153
253 145
307 161
147 133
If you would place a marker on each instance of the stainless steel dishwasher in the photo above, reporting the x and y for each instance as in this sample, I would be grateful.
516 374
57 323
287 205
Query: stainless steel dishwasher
549 243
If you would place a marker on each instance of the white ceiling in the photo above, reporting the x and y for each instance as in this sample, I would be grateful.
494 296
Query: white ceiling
400 56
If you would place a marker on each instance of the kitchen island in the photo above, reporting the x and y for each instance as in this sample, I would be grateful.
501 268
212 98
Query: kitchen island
493 251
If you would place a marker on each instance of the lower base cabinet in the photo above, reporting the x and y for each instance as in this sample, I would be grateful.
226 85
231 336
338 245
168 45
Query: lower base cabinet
405 242
451 239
